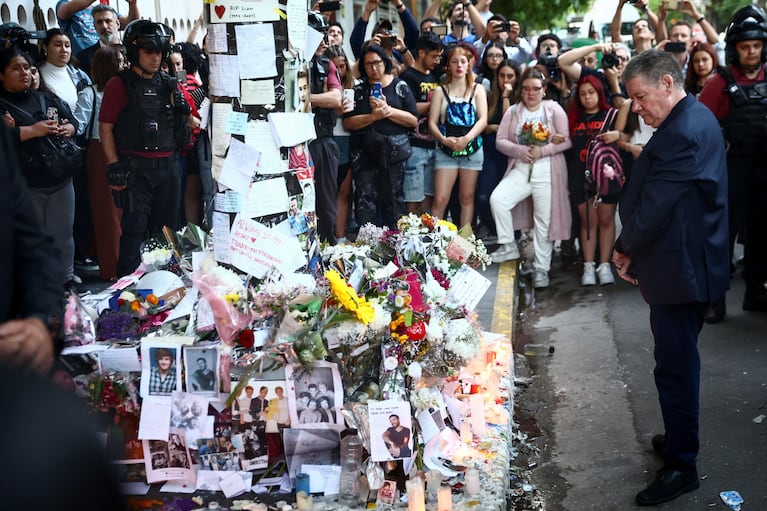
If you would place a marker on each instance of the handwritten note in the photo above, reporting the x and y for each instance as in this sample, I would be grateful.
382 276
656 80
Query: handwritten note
296 14
325 479
122 359
221 236
217 42
292 128
219 136
257 92
266 198
256 51
467 287
259 135
224 75
228 201
255 248
237 123
239 167
238 11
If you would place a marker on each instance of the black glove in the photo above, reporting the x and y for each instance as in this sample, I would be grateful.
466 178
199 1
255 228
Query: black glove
180 106
118 173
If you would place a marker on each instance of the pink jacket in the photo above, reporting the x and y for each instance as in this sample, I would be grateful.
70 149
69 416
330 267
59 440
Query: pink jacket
506 143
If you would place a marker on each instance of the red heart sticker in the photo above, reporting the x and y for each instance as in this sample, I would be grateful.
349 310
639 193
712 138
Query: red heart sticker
416 331
220 10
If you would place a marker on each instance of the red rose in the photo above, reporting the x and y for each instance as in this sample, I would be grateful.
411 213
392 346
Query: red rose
246 338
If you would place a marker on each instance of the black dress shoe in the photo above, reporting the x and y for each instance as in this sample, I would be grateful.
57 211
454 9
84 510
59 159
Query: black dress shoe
658 443
669 484
716 312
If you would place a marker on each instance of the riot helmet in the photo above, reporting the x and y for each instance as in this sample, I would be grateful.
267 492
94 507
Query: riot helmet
146 34
747 24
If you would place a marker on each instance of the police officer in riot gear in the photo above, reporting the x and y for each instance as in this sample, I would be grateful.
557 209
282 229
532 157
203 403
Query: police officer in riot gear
737 95
143 122
326 88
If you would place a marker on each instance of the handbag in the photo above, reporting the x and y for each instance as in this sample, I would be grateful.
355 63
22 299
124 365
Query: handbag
62 158
399 148
57 157
604 165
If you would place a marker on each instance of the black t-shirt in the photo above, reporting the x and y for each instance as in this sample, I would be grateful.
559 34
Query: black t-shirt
397 94
422 86
588 126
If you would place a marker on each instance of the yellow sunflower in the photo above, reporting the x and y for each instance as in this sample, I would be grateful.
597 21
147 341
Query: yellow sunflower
348 298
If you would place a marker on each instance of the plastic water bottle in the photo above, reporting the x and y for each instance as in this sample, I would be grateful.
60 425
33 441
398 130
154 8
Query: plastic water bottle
351 460
538 350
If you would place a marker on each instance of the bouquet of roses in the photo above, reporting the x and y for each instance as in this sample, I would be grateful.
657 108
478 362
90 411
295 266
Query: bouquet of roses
534 133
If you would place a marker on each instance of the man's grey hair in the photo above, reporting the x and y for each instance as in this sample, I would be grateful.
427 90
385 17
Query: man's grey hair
652 65
104 8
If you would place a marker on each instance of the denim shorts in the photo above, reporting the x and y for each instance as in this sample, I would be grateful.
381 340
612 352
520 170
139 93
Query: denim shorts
419 175
473 162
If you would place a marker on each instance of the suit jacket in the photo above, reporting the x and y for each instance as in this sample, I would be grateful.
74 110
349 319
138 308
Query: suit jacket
674 210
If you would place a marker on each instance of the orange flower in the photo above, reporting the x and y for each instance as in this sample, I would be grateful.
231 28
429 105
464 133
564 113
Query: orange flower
152 299
135 306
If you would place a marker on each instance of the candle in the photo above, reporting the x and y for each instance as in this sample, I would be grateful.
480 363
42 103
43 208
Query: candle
302 483
466 432
477 407
471 480
304 501
433 481
444 499
415 500
259 507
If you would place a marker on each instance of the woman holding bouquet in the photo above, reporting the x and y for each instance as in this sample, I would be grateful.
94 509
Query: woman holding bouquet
533 193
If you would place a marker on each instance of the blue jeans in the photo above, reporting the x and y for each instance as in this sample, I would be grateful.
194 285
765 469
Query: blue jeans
419 175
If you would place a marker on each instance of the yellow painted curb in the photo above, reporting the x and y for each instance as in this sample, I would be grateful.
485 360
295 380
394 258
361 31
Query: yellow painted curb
504 302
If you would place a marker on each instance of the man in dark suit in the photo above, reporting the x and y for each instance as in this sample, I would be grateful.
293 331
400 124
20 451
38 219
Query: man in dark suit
31 296
674 246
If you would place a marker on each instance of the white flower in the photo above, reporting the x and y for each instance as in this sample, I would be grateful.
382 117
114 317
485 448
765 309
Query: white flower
415 371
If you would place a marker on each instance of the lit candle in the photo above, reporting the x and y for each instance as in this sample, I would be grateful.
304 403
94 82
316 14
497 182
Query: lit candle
304 501
415 500
471 480
444 499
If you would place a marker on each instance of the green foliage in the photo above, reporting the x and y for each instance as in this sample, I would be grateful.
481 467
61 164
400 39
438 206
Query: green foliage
540 14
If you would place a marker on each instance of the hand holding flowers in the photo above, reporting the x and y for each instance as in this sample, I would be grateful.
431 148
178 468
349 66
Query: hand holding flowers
534 134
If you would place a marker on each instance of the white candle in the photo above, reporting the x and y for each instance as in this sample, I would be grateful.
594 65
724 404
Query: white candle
471 481
477 406
433 481
304 502
415 500
466 432
444 499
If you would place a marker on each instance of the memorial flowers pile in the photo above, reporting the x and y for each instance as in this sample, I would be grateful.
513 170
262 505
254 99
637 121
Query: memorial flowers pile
110 392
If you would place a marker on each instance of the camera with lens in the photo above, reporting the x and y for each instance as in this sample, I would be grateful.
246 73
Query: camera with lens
551 64
610 60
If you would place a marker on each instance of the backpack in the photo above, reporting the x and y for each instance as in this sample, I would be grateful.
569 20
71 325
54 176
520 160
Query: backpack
459 119
604 165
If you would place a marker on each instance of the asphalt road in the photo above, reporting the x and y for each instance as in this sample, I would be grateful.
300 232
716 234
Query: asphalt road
595 404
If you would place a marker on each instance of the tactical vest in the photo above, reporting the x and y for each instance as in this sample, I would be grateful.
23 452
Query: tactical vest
324 118
745 127
146 124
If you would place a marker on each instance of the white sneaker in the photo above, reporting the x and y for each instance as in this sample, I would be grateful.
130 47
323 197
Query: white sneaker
541 279
505 252
605 274
589 277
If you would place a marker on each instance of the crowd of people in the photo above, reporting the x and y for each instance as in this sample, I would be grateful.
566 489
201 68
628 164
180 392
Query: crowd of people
51 96
506 135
